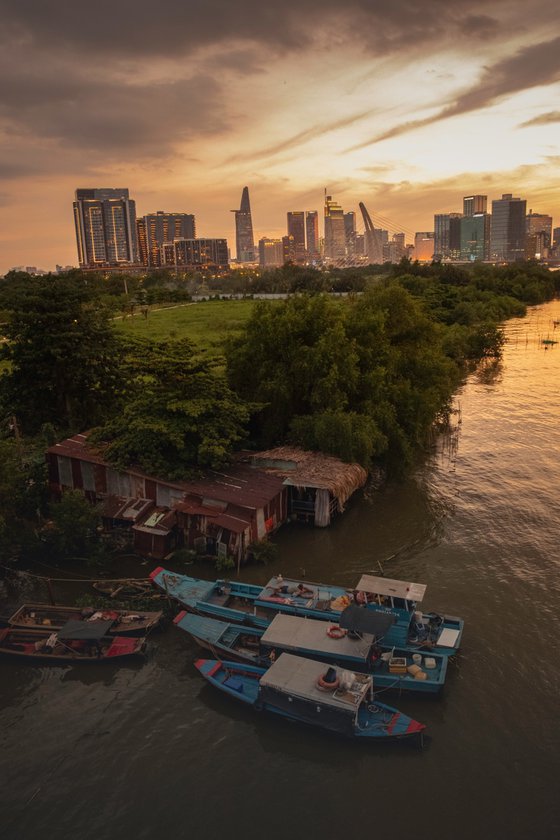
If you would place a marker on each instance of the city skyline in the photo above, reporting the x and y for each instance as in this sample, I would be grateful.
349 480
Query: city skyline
407 109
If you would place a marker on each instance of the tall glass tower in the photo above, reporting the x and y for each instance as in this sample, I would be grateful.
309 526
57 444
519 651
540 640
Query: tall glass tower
508 230
244 242
296 228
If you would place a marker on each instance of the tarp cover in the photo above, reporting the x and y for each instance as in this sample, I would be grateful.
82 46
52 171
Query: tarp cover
366 620
85 630
392 588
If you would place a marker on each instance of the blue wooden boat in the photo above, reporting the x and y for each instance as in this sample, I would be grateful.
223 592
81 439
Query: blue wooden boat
257 605
391 668
303 690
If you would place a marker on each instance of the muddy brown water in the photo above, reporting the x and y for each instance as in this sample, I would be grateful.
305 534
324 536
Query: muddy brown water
145 751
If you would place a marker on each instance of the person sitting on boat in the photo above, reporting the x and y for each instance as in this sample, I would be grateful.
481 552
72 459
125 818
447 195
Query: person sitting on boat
299 591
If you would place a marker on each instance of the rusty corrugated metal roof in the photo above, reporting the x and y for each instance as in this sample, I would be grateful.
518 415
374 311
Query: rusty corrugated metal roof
237 484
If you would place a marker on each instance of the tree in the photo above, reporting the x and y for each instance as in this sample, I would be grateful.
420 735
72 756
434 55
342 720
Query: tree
23 491
357 379
178 413
63 355
293 359
72 530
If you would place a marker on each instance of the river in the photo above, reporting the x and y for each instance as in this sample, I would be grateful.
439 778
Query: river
147 751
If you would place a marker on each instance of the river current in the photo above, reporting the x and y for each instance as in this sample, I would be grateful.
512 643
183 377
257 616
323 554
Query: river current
147 751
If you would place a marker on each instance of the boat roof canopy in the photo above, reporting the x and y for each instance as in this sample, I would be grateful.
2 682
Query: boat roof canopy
90 631
295 633
363 620
298 676
392 588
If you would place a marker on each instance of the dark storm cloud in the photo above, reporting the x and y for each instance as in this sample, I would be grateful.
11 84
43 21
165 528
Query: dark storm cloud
542 119
90 111
172 27
530 67
10 169
81 75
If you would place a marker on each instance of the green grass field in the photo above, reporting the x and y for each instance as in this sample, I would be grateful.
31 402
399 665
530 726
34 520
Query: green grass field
207 324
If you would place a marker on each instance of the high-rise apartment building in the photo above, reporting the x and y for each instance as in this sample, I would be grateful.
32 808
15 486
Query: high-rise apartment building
210 254
244 241
312 234
105 221
296 229
271 252
447 236
474 204
335 230
157 229
538 227
475 237
508 229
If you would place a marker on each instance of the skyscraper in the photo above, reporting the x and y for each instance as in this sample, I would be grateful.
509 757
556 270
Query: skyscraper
296 228
475 237
335 231
350 232
157 229
312 234
244 242
508 233
105 221
474 204
447 236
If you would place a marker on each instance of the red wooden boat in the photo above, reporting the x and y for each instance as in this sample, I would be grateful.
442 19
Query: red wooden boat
77 641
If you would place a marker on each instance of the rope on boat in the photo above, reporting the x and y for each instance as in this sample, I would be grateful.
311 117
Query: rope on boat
74 580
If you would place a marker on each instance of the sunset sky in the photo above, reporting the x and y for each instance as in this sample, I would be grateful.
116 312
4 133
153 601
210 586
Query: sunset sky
404 105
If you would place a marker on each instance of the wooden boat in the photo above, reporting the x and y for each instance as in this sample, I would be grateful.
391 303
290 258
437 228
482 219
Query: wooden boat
303 690
391 668
75 642
124 589
246 603
47 617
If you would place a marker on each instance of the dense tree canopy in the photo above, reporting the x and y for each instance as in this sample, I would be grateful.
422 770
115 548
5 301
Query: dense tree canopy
62 352
357 380
178 413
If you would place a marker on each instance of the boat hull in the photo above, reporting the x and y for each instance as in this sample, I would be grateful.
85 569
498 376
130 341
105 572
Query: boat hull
246 604
230 642
377 722
21 644
47 617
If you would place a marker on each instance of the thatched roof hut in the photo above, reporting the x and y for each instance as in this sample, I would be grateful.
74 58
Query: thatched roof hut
331 480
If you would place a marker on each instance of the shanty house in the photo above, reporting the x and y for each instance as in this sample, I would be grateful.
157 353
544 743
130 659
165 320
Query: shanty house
318 485
220 514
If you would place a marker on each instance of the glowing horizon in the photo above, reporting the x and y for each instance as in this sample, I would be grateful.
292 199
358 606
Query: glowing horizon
407 109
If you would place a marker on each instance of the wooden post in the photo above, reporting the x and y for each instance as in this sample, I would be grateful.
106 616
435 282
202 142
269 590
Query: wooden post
17 436
48 582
